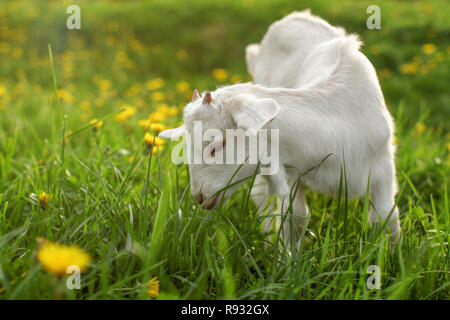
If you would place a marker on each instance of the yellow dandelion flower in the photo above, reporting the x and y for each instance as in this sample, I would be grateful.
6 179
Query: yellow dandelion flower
2 90
157 96
96 124
419 129
428 48
182 54
374 49
125 114
156 142
157 127
157 116
385 73
144 123
44 199
17 53
104 85
152 140
168 111
236 78
409 68
153 287
395 140
85 106
121 57
67 135
56 258
220 74
440 57
182 86
155 84
65 96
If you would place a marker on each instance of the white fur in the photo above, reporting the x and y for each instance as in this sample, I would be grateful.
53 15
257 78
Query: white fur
330 112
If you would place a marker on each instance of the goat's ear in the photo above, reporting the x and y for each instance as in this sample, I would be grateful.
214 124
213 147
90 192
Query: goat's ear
172 133
254 114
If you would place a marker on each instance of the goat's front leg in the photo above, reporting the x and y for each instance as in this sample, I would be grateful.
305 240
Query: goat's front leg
293 218
295 214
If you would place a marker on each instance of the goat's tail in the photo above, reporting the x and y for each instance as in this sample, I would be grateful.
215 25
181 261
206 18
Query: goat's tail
251 54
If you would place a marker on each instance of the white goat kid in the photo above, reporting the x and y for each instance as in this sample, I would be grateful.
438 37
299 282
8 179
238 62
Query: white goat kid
338 120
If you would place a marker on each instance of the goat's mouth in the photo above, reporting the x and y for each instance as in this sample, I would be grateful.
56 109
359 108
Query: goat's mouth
212 203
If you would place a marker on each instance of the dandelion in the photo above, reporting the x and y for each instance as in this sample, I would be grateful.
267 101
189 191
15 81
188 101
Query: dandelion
182 86
153 287
220 74
157 96
428 48
17 53
2 90
85 106
56 258
96 124
44 199
374 49
182 54
236 78
67 135
409 68
157 116
123 116
419 129
157 127
65 96
155 84
104 85
121 57
168 111
385 73
156 142
440 57
144 123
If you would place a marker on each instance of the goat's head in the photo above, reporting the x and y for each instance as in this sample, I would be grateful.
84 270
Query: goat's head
207 121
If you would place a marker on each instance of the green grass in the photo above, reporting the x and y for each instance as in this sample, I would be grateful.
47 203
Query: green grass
122 205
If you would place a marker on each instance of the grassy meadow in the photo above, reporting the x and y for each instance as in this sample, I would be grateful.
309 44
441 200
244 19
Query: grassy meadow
78 113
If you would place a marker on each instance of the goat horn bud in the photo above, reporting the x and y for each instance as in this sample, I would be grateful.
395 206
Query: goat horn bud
207 98
195 95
